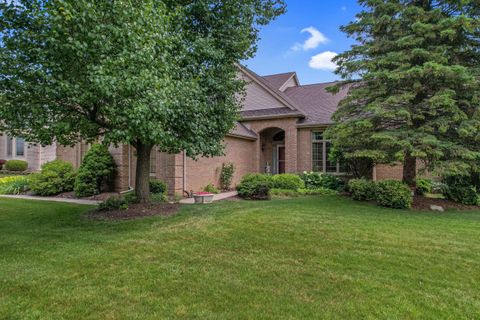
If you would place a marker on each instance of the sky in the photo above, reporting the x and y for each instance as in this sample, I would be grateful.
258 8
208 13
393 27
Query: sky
305 39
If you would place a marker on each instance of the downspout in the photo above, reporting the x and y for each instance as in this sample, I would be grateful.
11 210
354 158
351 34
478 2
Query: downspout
185 174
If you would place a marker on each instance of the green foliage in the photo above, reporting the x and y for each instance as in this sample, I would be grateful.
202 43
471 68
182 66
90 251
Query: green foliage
16 165
287 181
255 186
362 189
289 193
226 176
155 73
95 173
113 203
461 189
414 85
394 194
55 177
315 180
14 185
211 188
424 186
158 187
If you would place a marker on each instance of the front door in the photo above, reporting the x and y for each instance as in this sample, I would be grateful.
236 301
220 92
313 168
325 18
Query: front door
281 159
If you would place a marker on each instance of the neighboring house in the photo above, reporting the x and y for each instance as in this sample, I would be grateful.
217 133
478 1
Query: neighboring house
280 131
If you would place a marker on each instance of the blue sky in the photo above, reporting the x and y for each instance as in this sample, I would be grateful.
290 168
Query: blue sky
284 47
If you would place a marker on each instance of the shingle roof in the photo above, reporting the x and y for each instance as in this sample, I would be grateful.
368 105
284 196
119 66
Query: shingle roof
316 102
278 80
241 131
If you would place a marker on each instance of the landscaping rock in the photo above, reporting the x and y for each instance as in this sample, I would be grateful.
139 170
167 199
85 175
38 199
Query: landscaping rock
437 208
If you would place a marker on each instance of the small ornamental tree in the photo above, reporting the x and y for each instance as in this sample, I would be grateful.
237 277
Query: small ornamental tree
414 91
140 72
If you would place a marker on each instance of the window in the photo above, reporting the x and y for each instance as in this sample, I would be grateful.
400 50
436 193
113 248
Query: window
15 147
320 155
20 147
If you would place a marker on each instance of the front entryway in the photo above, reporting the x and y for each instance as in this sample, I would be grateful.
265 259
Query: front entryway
273 152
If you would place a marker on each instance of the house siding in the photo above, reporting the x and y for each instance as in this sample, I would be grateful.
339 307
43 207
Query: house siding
258 98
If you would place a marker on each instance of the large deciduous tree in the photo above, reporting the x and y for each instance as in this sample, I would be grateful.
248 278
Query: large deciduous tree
140 72
415 70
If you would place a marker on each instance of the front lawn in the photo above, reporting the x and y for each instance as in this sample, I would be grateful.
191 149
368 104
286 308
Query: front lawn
317 257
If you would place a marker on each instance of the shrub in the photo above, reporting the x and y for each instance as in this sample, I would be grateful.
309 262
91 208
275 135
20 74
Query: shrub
255 186
226 176
14 185
211 189
95 172
158 187
16 165
287 181
2 162
55 177
394 194
362 189
438 187
113 203
424 186
315 180
461 189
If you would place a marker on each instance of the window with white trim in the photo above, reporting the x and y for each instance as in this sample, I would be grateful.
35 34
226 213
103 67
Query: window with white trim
320 159
15 147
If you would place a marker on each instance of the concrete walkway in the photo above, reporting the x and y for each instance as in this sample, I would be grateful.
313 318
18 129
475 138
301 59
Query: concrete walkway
216 197
54 199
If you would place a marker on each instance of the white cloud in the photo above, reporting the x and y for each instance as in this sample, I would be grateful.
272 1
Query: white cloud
316 38
323 61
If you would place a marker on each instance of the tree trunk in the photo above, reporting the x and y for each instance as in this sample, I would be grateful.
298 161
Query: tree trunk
142 177
410 170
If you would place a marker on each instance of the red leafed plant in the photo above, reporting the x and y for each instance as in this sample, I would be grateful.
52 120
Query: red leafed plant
2 162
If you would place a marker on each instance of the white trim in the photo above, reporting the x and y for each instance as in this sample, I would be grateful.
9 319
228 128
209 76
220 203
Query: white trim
14 155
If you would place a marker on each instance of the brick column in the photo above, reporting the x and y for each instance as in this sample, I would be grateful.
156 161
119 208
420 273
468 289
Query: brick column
291 149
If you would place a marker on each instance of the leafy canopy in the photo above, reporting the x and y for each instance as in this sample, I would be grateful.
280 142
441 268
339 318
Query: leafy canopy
415 91
144 72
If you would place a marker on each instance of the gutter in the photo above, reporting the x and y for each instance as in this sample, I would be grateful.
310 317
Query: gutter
277 116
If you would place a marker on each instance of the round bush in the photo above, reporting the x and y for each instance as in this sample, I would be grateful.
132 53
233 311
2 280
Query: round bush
461 189
55 177
362 189
255 186
157 187
394 194
95 173
287 182
16 165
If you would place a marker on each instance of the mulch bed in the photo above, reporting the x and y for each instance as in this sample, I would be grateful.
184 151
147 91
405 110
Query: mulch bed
138 210
98 197
423 203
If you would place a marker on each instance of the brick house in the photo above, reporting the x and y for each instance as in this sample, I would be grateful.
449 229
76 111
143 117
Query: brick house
280 131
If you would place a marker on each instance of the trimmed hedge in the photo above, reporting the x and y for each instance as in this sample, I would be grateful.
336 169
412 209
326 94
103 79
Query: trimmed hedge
287 182
95 173
362 189
16 165
56 177
255 186
394 194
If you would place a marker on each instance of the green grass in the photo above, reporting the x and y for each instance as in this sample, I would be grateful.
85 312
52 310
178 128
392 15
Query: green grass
317 257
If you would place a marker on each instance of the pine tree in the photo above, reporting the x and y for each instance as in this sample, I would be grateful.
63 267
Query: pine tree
415 92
